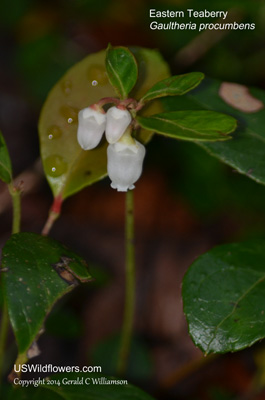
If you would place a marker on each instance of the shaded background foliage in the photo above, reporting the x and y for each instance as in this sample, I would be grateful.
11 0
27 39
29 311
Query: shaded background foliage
186 201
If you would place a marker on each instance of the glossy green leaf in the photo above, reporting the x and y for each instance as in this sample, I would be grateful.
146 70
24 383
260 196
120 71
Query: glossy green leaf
68 168
38 271
174 86
245 152
190 125
223 296
87 387
122 70
5 163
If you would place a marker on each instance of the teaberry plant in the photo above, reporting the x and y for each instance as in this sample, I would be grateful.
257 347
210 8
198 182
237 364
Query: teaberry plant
119 92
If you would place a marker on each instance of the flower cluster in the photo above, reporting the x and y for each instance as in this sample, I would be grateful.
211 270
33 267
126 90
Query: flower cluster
125 154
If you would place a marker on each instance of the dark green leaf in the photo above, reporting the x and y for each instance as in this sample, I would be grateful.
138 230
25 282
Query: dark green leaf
174 86
223 295
190 125
5 163
39 271
122 70
68 168
245 152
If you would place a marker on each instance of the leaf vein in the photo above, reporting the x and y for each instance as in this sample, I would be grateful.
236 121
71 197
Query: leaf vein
118 78
234 308
187 129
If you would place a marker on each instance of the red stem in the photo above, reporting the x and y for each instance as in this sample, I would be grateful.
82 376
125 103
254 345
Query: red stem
54 213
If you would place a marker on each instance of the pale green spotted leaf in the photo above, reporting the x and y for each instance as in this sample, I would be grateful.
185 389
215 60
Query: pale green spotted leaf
67 167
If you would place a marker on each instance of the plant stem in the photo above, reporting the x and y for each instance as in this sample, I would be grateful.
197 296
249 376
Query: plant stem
54 213
49 223
15 195
127 328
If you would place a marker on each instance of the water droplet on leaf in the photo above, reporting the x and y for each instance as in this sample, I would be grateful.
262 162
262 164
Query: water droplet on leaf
69 113
55 165
54 132
97 73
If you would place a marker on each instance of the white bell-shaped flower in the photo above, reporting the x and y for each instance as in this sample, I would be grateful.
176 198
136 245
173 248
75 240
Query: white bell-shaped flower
117 122
125 163
91 126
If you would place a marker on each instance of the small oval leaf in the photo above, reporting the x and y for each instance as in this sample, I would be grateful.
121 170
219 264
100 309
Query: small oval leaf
122 70
174 86
68 168
223 296
190 125
5 163
38 271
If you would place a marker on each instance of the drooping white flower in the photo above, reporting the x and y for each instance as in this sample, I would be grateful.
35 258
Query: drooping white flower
91 126
125 163
117 122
